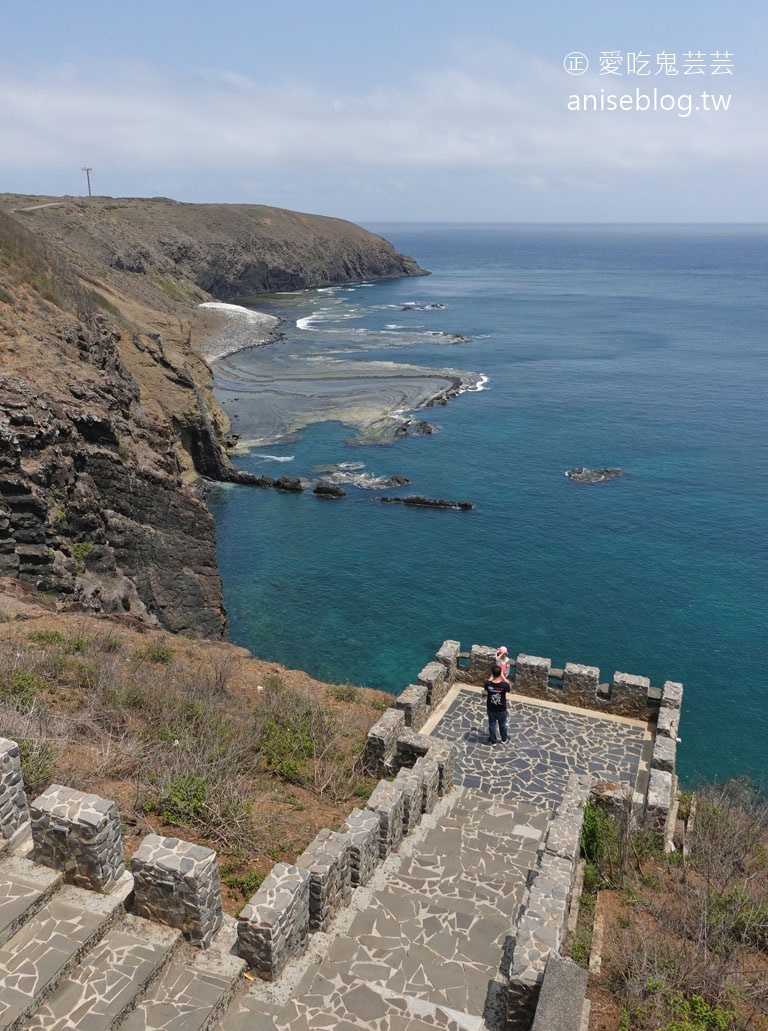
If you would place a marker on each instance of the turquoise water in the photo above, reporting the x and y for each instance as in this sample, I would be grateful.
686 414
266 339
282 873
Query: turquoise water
638 347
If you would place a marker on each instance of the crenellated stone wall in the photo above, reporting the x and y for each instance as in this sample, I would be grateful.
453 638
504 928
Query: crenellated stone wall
414 705
274 926
662 783
328 862
576 684
386 802
178 884
362 830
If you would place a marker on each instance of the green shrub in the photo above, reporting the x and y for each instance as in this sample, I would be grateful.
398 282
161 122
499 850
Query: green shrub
597 833
283 745
20 688
156 653
245 882
46 637
184 801
38 765
345 693
80 552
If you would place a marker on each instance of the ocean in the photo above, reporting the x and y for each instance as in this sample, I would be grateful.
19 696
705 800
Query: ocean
634 347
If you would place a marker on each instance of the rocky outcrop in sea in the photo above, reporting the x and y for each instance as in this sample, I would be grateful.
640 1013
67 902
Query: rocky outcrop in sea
583 475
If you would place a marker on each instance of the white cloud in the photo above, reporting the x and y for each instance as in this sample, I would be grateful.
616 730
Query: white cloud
511 118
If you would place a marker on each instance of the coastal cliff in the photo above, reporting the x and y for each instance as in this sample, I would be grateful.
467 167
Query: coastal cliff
107 415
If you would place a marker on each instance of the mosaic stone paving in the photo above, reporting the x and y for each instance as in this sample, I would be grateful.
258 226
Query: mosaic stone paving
24 887
195 988
45 949
426 951
545 745
113 975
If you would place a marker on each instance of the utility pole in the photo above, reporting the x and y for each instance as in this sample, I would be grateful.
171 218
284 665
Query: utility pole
88 177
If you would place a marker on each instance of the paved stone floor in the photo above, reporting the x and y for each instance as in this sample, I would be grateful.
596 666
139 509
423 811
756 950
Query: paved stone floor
546 743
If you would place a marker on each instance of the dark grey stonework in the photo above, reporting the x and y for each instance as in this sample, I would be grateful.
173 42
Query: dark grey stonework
274 926
413 703
14 812
433 677
79 834
178 884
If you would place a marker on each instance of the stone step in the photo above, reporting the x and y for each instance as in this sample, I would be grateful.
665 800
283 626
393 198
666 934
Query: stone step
249 1014
379 1007
347 1002
35 959
195 989
106 986
419 947
24 888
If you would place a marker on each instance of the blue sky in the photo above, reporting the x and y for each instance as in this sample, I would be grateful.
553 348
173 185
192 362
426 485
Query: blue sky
418 111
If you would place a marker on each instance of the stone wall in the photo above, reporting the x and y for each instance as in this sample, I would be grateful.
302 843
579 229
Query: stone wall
14 812
391 746
543 916
80 835
328 862
381 743
413 703
433 677
412 786
429 771
575 684
362 830
387 802
274 926
178 884
662 783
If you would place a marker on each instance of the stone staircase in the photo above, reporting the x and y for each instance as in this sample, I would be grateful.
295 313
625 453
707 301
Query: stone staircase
75 959
423 944
427 948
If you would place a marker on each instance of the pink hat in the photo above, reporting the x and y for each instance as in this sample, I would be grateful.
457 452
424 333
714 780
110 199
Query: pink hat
502 650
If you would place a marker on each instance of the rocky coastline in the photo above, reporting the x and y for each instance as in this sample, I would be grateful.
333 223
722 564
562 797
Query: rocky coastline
107 413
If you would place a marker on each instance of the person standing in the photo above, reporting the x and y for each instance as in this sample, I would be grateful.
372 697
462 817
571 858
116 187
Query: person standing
502 658
496 691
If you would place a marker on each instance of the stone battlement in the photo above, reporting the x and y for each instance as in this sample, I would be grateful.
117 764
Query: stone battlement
626 694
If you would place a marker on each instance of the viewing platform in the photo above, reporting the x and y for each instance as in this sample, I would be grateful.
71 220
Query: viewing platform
445 903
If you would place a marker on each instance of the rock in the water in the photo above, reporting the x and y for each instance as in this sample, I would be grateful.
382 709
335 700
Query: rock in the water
421 502
329 490
584 475
354 474
289 483
416 427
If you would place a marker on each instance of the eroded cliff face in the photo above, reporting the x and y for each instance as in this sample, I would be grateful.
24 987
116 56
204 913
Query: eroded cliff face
93 508
107 416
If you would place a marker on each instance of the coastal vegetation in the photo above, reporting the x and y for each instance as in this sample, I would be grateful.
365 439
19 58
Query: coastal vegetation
678 940
192 739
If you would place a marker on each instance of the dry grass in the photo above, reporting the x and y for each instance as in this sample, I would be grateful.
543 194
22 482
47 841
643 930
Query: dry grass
687 934
190 738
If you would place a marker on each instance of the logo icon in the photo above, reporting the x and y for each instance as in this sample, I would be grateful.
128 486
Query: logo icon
576 63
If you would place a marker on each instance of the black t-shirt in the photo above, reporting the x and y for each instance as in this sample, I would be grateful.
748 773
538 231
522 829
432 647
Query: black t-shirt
496 695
